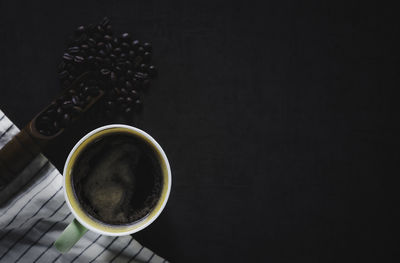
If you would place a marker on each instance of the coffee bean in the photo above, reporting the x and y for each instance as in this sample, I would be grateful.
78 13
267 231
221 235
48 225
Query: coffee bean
108 38
141 75
66 119
59 111
105 21
84 47
81 39
128 111
140 51
109 30
102 53
71 92
99 59
91 59
110 104
143 67
117 51
135 44
75 100
112 56
100 29
152 71
73 50
138 105
113 76
131 54
116 41
91 42
129 100
63 74
147 46
128 64
118 68
120 100
68 57
129 73
79 59
66 83
107 61
125 46
126 36
76 110
134 94
123 55
61 66
56 125
93 51
137 61
51 112
147 56
79 30
108 47
67 105
128 85
100 44
105 71
97 36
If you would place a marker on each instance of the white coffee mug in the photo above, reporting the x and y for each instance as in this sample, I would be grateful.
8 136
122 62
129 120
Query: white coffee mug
83 222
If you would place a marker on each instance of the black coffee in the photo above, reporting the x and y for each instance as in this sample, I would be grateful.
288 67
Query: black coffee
117 179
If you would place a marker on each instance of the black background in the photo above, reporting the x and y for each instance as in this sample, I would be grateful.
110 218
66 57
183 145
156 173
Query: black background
278 119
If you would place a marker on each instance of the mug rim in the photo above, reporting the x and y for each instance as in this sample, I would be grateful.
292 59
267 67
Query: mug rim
141 224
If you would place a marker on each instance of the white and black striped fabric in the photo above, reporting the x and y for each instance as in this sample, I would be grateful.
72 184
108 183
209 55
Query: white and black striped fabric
32 220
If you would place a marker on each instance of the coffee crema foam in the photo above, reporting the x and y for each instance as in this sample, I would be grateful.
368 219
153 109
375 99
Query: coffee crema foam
117 179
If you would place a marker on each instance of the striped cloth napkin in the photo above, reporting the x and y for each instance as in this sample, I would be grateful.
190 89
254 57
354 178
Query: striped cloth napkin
32 220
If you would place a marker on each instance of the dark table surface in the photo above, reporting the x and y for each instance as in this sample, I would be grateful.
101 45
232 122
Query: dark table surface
278 119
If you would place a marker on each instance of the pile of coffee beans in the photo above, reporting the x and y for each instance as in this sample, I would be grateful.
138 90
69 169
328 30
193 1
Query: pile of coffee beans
123 62
68 106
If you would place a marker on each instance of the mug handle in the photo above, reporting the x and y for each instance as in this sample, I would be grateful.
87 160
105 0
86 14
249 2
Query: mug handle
71 234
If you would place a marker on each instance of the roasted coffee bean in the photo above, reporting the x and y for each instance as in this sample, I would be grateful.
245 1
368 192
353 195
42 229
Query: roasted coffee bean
99 59
147 56
61 66
85 90
123 92
134 94
41 131
75 100
116 41
84 47
63 74
79 30
135 44
129 100
152 71
73 50
56 125
128 111
105 21
128 85
67 105
140 51
100 29
138 105
109 30
100 44
131 54
108 47
91 42
118 69
107 38
147 46
128 64
126 36
143 67
81 39
125 46
120 100
129 73
117 51
105 71
110 104
71 92
97 36
113 76
51 112
102 53
107 61
137 61
141 75
112 56
68 57
59 111
79 59
71 78
66 119
123 56
91 59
